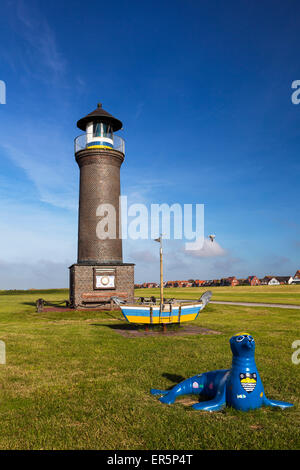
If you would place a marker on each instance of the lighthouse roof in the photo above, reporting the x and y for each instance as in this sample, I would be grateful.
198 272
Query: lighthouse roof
103 116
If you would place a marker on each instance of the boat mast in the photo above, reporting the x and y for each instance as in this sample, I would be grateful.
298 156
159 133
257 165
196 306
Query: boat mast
161 274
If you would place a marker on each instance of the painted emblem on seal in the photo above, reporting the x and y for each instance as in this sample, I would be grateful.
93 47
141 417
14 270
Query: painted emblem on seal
248 381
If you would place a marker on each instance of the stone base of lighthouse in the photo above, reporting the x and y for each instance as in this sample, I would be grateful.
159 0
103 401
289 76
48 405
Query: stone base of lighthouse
87 291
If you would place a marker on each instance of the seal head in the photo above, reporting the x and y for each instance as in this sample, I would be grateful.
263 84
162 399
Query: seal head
242 345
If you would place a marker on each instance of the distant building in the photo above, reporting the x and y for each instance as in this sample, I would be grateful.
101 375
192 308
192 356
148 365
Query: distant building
226 281
265 280
146 285
296 279
270 281
276 280
198 283
273 282
253 281
229 281
179 284
284 279
172 284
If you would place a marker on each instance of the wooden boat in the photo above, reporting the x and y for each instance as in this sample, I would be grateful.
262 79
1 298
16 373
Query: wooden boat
165 312
172 312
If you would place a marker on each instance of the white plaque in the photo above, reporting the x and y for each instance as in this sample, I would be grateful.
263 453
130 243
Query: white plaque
105 281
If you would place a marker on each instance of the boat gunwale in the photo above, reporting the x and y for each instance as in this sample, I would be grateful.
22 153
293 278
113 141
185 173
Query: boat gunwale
157 307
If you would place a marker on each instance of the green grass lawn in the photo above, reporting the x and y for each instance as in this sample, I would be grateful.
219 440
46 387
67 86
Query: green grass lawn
72 382
284 294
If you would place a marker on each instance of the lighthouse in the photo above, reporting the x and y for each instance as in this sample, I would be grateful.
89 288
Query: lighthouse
100 272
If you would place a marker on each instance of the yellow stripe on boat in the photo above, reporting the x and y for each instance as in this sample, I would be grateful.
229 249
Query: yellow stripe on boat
165 319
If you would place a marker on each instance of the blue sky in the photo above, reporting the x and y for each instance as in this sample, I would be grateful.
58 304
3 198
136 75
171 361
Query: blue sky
203 89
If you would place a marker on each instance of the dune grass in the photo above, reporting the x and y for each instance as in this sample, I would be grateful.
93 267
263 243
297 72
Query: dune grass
283 294
72 382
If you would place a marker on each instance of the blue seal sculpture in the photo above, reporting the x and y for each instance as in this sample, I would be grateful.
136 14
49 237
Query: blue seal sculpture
239 387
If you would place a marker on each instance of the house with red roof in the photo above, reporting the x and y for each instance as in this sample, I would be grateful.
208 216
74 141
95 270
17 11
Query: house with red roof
253 281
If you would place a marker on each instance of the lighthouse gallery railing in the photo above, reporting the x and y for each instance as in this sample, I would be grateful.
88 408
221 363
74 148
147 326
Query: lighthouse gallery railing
80 143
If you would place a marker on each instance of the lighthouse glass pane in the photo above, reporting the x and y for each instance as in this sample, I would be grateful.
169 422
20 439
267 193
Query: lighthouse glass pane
106 130
97 129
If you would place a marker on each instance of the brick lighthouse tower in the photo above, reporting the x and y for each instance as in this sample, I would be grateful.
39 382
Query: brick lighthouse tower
99 272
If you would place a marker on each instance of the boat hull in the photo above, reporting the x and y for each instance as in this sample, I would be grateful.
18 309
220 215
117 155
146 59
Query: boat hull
145 314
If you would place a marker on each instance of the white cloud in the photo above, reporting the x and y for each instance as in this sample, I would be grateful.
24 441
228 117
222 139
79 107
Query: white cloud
206 249
42 274
144 256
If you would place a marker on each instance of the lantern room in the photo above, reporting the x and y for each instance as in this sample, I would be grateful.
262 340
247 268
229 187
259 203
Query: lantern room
99 127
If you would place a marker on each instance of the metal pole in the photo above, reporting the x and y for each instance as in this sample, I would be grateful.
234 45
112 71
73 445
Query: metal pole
161 276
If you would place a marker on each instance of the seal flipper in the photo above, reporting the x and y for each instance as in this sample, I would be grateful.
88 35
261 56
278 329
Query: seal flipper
155 391
217 403
186 387
211 405
280 404
169 398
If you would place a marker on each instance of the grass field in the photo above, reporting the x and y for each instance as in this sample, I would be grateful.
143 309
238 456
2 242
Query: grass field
284 294
72 382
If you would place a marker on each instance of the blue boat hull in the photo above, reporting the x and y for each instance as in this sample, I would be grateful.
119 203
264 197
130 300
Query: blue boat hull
147 314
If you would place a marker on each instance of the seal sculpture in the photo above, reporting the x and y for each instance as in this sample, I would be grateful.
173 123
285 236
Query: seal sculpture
239 387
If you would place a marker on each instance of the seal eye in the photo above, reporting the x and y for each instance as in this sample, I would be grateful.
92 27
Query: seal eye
250 338
240 338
